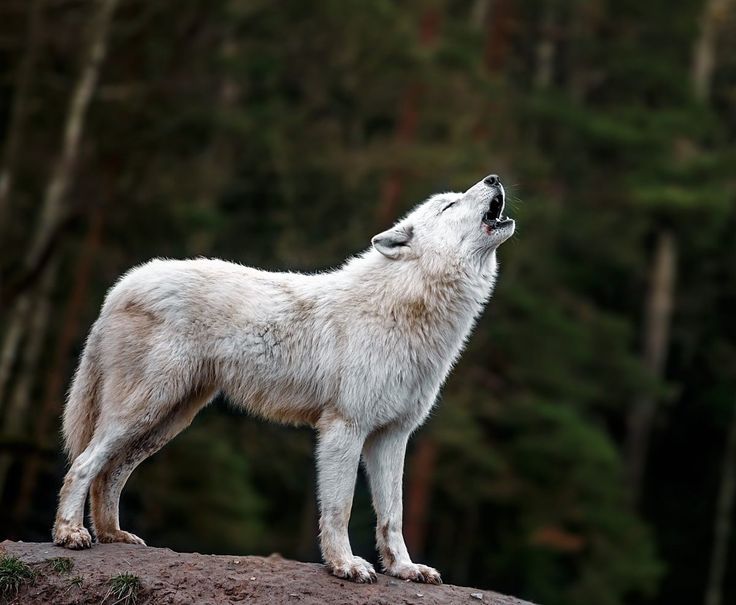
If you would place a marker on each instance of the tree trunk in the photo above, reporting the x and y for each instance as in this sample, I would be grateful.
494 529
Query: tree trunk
724 515
309 530
15 330
54 392
479 13
53 211
19 109
53 208
704 55
17 412
583 28
18 316
660 300
497 18
418 492
545 49
406 127
218 159
498 39
39 259
703 67
468 536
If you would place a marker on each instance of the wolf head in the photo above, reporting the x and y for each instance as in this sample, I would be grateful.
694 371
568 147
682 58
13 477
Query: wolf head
465 227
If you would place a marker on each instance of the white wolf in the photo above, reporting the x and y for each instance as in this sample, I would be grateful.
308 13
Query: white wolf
360 353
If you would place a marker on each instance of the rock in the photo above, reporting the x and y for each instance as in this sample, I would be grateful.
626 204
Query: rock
182 578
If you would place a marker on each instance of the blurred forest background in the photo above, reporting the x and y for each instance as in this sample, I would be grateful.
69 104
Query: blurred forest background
584 450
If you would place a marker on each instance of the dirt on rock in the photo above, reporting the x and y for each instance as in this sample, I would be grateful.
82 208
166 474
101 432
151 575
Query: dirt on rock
167 577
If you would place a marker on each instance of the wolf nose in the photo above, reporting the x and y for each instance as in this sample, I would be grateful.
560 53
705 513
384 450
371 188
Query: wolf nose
492 180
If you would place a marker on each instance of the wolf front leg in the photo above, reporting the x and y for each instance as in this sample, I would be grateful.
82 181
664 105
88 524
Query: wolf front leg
338 456
383 455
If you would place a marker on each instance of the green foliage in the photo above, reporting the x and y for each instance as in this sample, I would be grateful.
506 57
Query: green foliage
124 589
13 574
547 485
198 492
267 133
76 582
61 565
558 452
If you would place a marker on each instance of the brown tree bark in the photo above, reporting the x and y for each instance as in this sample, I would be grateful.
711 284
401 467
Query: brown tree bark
14 333
466 538
658 313
16 126
582 73
704 59
309 530
663 275
17 411
54 392
722 526
406 127
704 55
703 67
479 12
546 48
497 19
499 23
53 210
418 492
422 463
218 159
21 104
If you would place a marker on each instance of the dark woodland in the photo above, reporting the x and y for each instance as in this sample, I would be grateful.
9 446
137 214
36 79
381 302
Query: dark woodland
584 449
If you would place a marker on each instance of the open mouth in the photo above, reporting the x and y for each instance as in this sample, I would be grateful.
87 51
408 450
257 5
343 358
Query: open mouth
494 218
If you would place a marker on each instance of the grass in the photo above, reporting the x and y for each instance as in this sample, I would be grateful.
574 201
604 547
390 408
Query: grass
76 581
13 574
124 588
61 565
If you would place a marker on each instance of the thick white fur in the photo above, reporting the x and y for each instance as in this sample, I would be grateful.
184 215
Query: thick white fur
360 353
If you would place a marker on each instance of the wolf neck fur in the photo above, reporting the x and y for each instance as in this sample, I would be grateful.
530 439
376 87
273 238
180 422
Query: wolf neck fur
427 296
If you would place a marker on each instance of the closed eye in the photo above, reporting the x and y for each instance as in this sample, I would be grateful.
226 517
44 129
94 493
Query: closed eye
450 205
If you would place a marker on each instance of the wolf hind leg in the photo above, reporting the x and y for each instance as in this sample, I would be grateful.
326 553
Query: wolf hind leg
69 529
108 485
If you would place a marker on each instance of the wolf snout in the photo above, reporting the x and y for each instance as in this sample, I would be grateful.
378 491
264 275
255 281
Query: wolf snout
498 201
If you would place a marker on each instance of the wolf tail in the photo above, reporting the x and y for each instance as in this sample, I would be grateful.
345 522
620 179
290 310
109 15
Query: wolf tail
82 406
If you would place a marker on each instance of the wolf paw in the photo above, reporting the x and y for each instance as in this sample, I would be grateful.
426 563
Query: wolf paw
118 535
415 573
355 569
75 537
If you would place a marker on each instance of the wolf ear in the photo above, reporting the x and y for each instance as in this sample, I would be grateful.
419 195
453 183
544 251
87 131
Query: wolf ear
395 242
